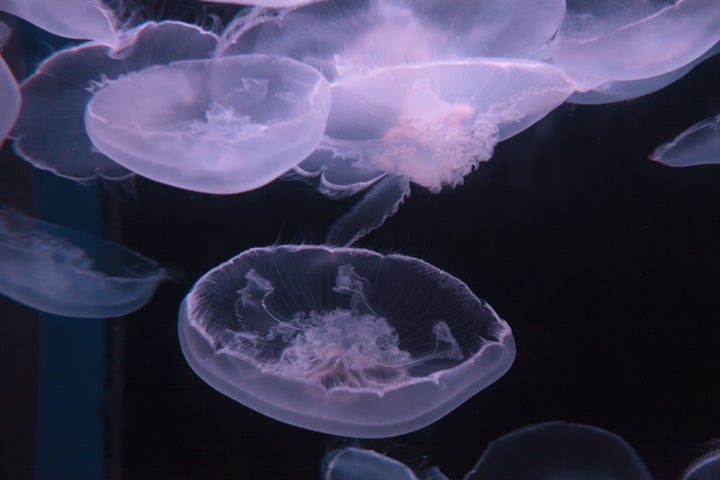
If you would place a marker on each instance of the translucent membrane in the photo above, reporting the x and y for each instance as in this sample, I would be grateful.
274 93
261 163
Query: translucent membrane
633 39
431 122
219 125
9 92
65 272
559 450
51 127
698 145
358 464
361 35
82 19
705 468
339 340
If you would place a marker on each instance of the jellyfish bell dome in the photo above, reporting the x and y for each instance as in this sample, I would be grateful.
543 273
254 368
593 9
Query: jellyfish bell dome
224 125
341 340
706 467
559 450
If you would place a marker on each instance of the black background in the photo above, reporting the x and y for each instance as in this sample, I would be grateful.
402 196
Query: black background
604 263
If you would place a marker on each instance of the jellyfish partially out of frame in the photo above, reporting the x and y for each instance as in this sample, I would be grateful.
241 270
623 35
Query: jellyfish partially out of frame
559 450
626 40
9 92
223 125
65 272
358 464
706 467
340 340
80 19
698 145
50 131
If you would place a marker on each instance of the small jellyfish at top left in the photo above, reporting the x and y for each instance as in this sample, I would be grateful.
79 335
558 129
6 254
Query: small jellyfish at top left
79 19
9 92
50 130
65 272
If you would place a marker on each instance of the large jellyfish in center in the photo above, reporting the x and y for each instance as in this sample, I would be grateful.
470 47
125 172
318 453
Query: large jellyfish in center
343 341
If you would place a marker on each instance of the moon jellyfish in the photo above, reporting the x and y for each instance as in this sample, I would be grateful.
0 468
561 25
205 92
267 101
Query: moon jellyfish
559 450
65 272
633 39
81 19
617 91
9 92
50 130
340 340
218 125
698 145
430 124
358 464
706 467
359 35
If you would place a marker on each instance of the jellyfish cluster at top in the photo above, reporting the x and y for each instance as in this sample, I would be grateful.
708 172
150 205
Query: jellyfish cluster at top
348 96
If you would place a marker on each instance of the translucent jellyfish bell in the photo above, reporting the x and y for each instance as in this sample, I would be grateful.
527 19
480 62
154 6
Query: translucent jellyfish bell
340 340
698 145
633 39
9 92
218 125
434 122
65 272
81 19
358 464
559 450
50 130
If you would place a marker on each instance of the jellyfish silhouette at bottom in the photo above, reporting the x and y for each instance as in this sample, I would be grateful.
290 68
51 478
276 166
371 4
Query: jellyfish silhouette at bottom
341 340
358 464
65 272
706 467
559 450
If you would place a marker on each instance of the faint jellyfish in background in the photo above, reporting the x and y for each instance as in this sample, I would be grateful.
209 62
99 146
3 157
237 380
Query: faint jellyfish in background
50 130
698 145
628 40
65 272
81 19
9 92
340 340
706 467
218 125
359 464
407 105
559 450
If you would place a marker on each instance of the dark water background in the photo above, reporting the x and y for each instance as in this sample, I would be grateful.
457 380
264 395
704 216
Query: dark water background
604 263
